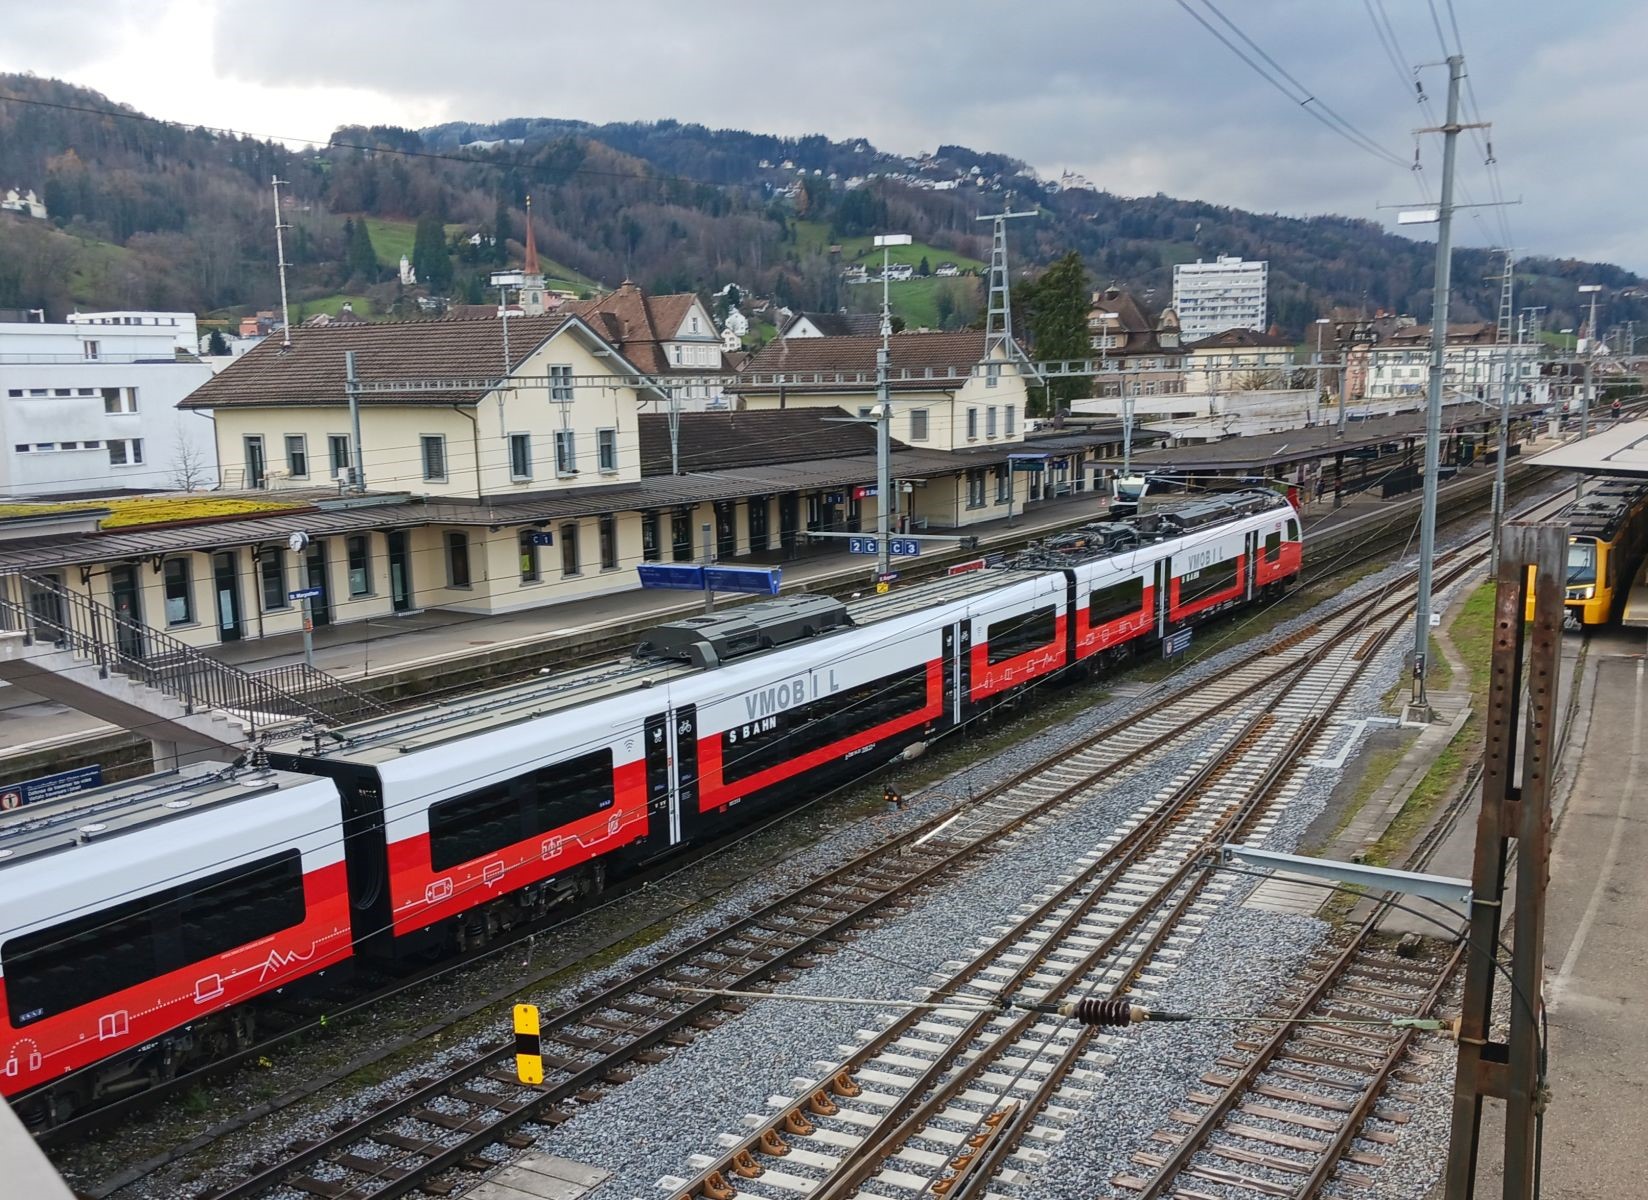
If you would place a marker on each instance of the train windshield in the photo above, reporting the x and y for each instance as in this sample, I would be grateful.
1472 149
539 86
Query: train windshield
1581 562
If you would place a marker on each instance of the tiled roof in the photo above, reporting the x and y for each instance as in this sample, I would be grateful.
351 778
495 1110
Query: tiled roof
638 325
1237 339
941 360
837 324
723 441
1477 331
311 370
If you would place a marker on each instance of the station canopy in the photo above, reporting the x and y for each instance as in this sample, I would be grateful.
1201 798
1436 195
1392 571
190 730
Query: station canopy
1616 448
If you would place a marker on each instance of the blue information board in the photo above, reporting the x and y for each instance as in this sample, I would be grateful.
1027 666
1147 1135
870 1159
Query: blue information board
906 547
683 576
541 537
1176 643
50 787
863 545
760 580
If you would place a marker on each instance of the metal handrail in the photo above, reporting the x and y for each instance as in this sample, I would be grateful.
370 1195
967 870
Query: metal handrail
338 699
43 610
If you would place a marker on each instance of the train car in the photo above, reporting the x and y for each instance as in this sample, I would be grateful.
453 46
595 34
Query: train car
140 918
1607 539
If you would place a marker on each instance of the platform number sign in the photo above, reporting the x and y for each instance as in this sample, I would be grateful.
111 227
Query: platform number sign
529 1057
898 547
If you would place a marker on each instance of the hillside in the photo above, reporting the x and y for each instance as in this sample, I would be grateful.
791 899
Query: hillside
144 214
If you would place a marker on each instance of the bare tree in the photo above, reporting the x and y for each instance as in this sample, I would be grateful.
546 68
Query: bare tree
189 466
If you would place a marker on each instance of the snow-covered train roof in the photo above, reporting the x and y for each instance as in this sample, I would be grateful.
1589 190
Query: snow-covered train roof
115 808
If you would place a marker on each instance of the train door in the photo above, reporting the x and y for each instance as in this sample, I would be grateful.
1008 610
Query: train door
1250 582
961 638
661 818
684 754
1164 597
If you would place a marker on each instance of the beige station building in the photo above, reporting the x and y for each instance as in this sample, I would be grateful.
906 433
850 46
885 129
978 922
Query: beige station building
487 485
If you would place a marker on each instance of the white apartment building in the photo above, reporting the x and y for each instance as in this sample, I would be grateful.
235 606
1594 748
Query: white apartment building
1227 293
90 405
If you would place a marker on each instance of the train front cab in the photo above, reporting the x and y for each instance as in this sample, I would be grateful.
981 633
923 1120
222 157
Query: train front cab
1595 575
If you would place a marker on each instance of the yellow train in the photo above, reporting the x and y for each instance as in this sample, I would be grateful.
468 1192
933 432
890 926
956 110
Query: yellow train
1607 536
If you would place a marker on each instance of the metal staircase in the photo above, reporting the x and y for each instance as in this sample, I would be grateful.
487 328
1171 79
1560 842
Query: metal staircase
82 653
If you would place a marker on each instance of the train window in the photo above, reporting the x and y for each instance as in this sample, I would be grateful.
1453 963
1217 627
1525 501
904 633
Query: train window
1293 530
1123 599
1273 547
1216 577
477 823
1021 634
768 741
47 971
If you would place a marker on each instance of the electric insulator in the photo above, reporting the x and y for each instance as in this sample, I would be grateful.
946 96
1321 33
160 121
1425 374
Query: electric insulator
1093 1011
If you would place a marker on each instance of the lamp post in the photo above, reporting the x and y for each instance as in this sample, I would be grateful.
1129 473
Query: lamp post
884 406
1590 353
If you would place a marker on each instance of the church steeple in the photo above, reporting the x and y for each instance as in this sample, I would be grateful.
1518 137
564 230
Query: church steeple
534 296
530 267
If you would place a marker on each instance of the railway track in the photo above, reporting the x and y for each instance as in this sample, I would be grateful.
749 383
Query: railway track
608 1037
1328 1077
603 1040
947 1101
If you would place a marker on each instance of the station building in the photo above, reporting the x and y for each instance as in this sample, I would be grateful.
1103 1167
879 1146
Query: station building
494 484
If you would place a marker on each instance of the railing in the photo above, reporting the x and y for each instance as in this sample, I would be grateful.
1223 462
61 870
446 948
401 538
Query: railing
335 698
45 612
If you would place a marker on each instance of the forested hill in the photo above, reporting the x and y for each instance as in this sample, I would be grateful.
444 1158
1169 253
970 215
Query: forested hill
144 214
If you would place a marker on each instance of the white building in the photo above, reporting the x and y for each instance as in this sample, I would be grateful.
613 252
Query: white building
91 406
25 202
1228 293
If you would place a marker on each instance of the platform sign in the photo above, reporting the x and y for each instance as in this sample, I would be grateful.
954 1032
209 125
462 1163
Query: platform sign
308 593
887 577
763 581
1175 644
50 787
529 1054
1027 462
865 491
541 537
904 547
973 564
863 545
680 576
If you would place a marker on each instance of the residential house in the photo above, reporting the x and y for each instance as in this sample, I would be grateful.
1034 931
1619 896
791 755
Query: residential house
1238 360
1136 355
836 324
663 336
1395 365
24 202
966 412
89 406
947 270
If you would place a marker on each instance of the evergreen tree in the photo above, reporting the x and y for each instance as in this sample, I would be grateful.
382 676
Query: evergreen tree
1058 326
430 258
363 259
925 269
215 343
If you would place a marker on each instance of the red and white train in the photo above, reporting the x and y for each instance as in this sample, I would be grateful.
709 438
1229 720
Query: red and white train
145 923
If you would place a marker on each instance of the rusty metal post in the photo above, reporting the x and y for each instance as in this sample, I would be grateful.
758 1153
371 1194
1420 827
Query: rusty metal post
1510 1070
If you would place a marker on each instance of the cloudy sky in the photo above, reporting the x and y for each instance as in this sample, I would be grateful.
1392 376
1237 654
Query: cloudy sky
1136 96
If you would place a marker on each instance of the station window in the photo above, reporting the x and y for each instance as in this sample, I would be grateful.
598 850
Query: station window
180 606
1021 634
918 425
137 940
272 575
1123 599
520 456
480 822
528 552
457 560
609 542
359 550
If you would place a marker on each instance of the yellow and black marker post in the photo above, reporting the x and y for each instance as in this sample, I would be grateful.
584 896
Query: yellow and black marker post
529 1058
